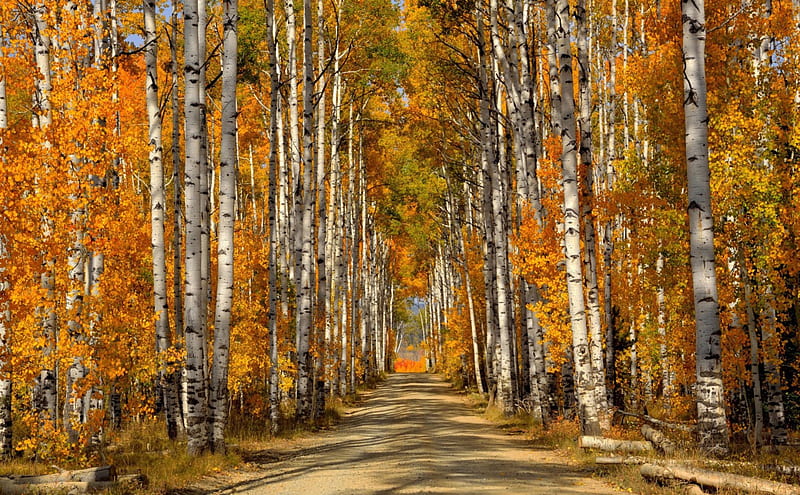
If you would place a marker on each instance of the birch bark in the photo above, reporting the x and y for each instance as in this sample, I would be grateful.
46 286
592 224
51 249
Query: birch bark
584 376
45 397
218 400
157 208
6 383
587 214
711 422
194 297
305 288
273 210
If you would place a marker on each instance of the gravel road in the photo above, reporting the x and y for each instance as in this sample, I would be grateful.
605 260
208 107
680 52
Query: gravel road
414 435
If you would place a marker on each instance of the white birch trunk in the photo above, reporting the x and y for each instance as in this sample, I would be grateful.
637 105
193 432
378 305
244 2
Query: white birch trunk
295 198
323 301
273 211
305 289
219 399
587 215
607 174
194 312
584 376
711 422
158 206
45 398
5 314
206 176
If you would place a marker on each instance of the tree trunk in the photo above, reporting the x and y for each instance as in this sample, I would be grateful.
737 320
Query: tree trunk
218 400
717 480
770 345
587 216
157 209
295 196
305 289
584 376
608 176
613 445
5 314
194 312
711 422
45 396
755 372
273 210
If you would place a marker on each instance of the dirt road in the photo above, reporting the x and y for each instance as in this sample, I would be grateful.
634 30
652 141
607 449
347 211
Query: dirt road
414 435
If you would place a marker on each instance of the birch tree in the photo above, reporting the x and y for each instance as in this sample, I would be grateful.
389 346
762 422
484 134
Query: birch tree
194 296
218 400
584 376
45 395
5 315
711 421
587 215
305 288
273 211
158 206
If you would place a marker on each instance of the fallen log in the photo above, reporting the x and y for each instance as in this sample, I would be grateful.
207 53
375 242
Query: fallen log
716 479
661 443
612 445
102 473
8 487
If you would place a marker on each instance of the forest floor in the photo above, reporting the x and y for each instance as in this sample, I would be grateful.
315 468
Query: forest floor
412 435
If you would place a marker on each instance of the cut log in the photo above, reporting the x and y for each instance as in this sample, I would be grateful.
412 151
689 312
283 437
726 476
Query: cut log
70 482
612 445
8 487
661 443
102 473
716 479
628 460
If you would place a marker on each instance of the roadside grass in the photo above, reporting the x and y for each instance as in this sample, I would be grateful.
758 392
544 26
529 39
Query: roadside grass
143 448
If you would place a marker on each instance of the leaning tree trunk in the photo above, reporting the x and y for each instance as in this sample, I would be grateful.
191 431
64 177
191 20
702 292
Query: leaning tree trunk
711 423
218 400
157 209
194 296
584 377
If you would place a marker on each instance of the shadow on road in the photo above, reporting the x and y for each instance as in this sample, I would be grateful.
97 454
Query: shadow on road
414 435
